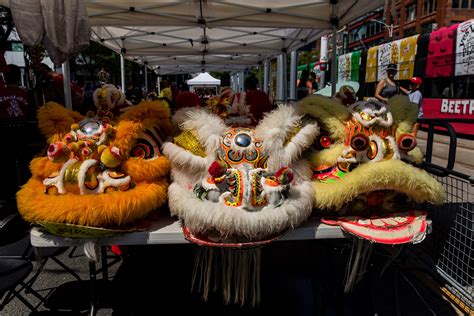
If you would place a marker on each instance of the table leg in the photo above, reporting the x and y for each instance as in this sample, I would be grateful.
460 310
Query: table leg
105 266
93 287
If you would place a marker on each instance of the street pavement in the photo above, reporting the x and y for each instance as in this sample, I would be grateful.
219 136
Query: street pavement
303 278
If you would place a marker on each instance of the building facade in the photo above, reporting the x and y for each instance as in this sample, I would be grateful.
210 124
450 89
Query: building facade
406 18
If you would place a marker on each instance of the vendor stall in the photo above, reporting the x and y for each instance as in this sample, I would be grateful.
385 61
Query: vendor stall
204 84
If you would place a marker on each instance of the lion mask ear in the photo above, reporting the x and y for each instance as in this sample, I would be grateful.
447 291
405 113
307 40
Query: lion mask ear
199 140
404 112
331 114
284 136
146 115
155 112
55 121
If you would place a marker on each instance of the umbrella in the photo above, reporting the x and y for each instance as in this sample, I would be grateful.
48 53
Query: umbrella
326 91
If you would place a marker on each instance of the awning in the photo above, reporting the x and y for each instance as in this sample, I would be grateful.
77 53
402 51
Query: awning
204 79
226 35
186 36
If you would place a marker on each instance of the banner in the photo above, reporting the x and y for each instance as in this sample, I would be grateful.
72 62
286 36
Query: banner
341 65
344 67
441 53
451 108
395 57
384 59
371 68
465 49
355 65
408 49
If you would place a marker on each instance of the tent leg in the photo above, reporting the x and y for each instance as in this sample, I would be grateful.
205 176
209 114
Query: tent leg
122 71
323 58
293 74
281 79
145 70
67 85
334 60
266 76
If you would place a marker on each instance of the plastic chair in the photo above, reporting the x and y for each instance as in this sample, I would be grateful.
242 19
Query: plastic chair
13 272
15 263
17 256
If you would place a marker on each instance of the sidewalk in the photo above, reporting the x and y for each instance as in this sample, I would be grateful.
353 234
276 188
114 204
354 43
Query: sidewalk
297 279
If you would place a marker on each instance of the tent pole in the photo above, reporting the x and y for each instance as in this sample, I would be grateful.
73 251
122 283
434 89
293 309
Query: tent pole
235 82
334 60
122 71
285 76
323 53
146 79
266 76
67 85
260 75
281 79
241 81
293 74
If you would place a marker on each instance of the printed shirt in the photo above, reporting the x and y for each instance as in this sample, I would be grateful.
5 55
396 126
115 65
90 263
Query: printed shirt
13 104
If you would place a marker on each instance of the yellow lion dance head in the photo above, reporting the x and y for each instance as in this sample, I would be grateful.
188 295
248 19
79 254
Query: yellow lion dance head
98 173
365 170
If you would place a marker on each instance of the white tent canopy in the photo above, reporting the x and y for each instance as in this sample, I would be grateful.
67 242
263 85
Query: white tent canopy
186 36
204 79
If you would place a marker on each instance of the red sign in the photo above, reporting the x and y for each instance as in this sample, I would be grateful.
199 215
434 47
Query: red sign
451 108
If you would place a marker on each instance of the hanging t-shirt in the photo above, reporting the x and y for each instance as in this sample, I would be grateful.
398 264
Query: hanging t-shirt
13 104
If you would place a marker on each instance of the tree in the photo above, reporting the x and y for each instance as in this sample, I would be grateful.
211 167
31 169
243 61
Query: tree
306 57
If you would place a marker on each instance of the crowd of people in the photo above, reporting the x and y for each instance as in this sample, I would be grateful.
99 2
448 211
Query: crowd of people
306 85
389 87
19 104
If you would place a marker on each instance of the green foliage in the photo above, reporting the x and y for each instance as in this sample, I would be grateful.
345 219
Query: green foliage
217 74
96 56
306 57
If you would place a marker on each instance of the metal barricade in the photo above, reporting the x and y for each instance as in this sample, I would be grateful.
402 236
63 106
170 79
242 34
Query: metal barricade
450 246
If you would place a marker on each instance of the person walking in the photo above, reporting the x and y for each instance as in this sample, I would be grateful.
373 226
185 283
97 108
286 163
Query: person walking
186 98
389 87
415 95
257 100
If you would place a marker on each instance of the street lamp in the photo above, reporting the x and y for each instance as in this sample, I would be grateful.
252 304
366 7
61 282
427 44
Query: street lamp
388 27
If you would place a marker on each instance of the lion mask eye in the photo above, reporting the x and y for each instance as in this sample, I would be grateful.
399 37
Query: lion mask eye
148 145
406 142
323 141
360 142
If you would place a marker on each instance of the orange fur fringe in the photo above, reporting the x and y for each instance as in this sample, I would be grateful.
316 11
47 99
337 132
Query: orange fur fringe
42 167
55 121
147 171
108 210
103 210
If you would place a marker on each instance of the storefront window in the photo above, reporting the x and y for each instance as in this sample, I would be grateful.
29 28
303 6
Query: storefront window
429 6
410 12
410 32
427 28
463 4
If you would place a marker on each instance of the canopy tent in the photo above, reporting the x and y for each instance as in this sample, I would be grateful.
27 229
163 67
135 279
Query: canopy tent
327 91
204 79
185 36
189 36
